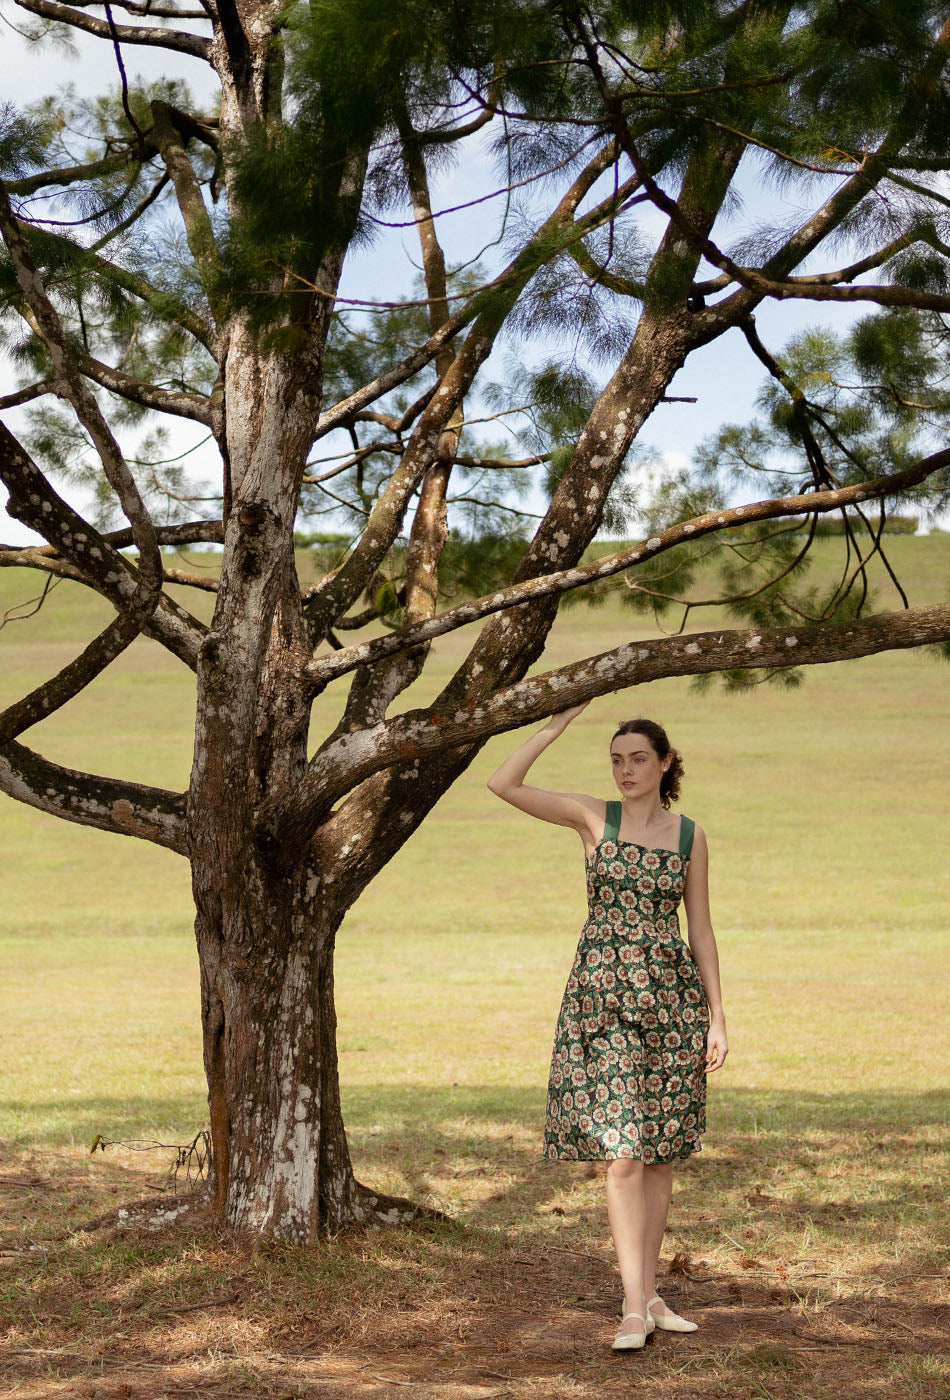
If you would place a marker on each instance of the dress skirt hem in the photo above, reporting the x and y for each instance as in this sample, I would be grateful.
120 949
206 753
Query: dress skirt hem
621 1156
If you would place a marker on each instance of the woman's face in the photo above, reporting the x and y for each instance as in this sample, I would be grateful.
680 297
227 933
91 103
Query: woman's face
637 768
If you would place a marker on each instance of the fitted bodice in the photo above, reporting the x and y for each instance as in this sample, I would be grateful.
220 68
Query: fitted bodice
634 888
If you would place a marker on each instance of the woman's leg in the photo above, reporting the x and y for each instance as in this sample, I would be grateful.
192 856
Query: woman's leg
627 1215
657 1192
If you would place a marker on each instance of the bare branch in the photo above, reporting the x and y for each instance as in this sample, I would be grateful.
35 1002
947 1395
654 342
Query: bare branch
137 607
147 10
354 757
502 463
874 167
51 695
347 409
389 420
841 274
188 580
336 594
34 502
26 558
28 394
374 690
193 44
326 668
128 809
182 405
91 170
14 556
190 532
71 384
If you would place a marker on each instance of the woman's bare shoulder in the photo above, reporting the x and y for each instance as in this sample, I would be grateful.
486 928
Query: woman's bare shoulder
595 805
595 813
700 844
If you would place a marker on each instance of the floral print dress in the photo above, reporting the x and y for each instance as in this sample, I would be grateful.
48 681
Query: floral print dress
628 1076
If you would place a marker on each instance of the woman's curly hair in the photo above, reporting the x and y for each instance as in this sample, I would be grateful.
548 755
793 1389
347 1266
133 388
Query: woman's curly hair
670 782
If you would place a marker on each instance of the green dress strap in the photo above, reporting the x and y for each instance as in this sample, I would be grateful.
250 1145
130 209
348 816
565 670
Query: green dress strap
687 832
614 813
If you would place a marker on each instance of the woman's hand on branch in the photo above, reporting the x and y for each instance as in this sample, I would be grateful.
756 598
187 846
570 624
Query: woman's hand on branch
573 809
559 722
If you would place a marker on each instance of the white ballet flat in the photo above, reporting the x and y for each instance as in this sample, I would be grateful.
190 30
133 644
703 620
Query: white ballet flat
671 1322
651 1325
632 1341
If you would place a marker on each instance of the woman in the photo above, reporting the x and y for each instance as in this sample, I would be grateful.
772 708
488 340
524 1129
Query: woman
641 1022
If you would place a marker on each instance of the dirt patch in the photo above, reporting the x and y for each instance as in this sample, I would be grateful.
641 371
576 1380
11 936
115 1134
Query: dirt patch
518 1300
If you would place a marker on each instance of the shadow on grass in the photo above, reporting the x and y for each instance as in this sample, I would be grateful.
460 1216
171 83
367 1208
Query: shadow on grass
852 1167
731 1109
71 1120
470 1116
856 1158
837 1190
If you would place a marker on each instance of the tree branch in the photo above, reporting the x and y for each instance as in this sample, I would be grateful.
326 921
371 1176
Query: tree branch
34 502
354 757
137 607
14 556
175 401
350 408
147 10
874 166
27 394
198 228
190 532
374 689
91 170
337 593
127 809
841 274
52 694
165 305
193 44
323 669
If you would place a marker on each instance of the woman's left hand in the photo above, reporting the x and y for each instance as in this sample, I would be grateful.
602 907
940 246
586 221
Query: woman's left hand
717 1047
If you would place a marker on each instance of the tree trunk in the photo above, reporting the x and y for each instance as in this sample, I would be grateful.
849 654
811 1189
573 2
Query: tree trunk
266 925
280 1161
265 944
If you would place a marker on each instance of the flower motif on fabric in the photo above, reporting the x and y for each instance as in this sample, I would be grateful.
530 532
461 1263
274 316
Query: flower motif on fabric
628 1074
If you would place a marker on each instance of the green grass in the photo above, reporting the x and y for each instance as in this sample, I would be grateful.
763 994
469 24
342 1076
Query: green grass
825 810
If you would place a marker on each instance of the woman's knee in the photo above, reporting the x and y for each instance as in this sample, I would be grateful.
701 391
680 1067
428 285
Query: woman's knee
624 1169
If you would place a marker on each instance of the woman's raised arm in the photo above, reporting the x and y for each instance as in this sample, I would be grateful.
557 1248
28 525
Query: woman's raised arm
563 808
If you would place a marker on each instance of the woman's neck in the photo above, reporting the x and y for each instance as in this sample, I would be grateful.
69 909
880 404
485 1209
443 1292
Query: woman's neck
643 812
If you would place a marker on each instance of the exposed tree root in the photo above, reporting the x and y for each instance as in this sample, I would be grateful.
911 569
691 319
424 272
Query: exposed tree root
374 1208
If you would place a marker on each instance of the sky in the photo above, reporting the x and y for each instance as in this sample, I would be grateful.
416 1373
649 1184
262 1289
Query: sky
724 378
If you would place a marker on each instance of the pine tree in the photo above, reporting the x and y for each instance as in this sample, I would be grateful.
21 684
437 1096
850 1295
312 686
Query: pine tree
190 271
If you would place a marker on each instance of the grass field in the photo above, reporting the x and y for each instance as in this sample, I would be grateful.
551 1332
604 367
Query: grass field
806 1237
